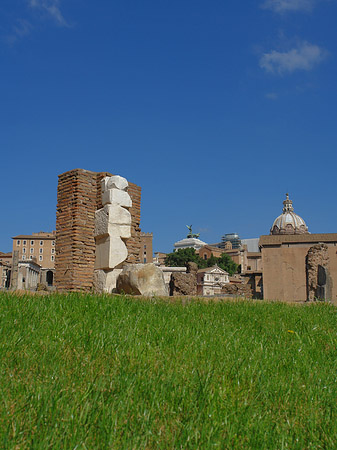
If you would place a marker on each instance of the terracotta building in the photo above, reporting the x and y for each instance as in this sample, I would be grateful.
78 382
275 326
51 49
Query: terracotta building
146 255
297 265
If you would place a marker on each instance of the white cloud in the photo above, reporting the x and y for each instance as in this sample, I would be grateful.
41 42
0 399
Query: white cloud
304 57
51 7
271 96
282 6
20 30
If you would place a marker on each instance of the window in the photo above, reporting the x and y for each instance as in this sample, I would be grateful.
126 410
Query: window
40 250
31 242
52 257
41 242
144 247
205 256
40 258
23 250
23 257
18 242
31 250
144 260
53 243
53 250
24 242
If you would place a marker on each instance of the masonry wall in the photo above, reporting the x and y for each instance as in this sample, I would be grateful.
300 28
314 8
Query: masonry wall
284 268
78 197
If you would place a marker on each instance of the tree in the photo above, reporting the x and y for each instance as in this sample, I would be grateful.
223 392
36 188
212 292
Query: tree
226 263
184 255
181 257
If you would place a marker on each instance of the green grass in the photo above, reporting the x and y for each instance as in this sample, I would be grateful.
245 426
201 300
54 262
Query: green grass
103 372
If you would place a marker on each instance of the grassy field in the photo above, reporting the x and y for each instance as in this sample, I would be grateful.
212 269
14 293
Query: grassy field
103 372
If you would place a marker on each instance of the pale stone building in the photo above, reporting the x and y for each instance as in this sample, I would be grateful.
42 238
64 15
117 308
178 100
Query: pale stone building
297 265
28 275
5 269
211 281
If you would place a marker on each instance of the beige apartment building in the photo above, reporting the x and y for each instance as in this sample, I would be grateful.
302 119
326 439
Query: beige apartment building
40 248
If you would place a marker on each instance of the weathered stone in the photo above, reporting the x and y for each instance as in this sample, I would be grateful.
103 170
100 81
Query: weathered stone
109 216
191 267
183 284
318 277
238 290
111 251
112 196
105 281
116 181
141 279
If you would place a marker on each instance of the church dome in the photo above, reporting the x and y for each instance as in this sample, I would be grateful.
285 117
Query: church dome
289 222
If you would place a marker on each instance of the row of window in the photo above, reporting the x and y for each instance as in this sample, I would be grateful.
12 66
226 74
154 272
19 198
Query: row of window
40 250
18 242
52 258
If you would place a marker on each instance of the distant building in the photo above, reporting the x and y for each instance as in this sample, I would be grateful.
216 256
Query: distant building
233 238
39 248
191 241
298 265
146 255
211 281
5 269
28 275
159 258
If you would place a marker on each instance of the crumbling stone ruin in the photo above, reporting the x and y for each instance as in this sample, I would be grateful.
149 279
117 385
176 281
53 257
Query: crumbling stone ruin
319 285
112 229
237 290
141 279
184 283
79 196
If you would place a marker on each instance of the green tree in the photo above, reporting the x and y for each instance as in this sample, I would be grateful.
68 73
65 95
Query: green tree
181 257
184 255
226 263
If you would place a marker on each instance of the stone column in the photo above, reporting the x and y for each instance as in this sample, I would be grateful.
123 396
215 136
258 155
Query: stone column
112 228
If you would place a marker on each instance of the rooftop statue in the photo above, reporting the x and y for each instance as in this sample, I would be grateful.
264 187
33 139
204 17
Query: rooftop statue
190 234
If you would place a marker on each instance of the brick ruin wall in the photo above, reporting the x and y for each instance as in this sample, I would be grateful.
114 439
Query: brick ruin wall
78 197
318 257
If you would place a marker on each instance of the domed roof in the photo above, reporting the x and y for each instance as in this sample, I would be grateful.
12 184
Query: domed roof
289 222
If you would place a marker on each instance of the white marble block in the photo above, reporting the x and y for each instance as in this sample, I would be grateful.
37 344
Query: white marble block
110 252
116 182
111 216
106 280
122 198
112 227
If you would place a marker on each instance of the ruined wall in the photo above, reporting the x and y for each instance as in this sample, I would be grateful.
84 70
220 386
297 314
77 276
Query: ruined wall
133 244
284 262
78 197
318 278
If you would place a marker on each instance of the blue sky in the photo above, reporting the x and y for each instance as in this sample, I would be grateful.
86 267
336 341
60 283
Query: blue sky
215 108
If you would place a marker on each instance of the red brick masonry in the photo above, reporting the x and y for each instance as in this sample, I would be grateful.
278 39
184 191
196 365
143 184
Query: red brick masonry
78 197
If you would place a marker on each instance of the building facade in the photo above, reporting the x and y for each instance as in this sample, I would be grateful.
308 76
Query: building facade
146 253
211 280
297 265
39 248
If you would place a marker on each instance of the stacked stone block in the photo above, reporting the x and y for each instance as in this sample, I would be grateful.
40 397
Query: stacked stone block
78 198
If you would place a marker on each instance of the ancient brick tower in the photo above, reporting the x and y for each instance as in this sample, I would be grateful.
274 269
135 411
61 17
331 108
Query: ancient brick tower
78 197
